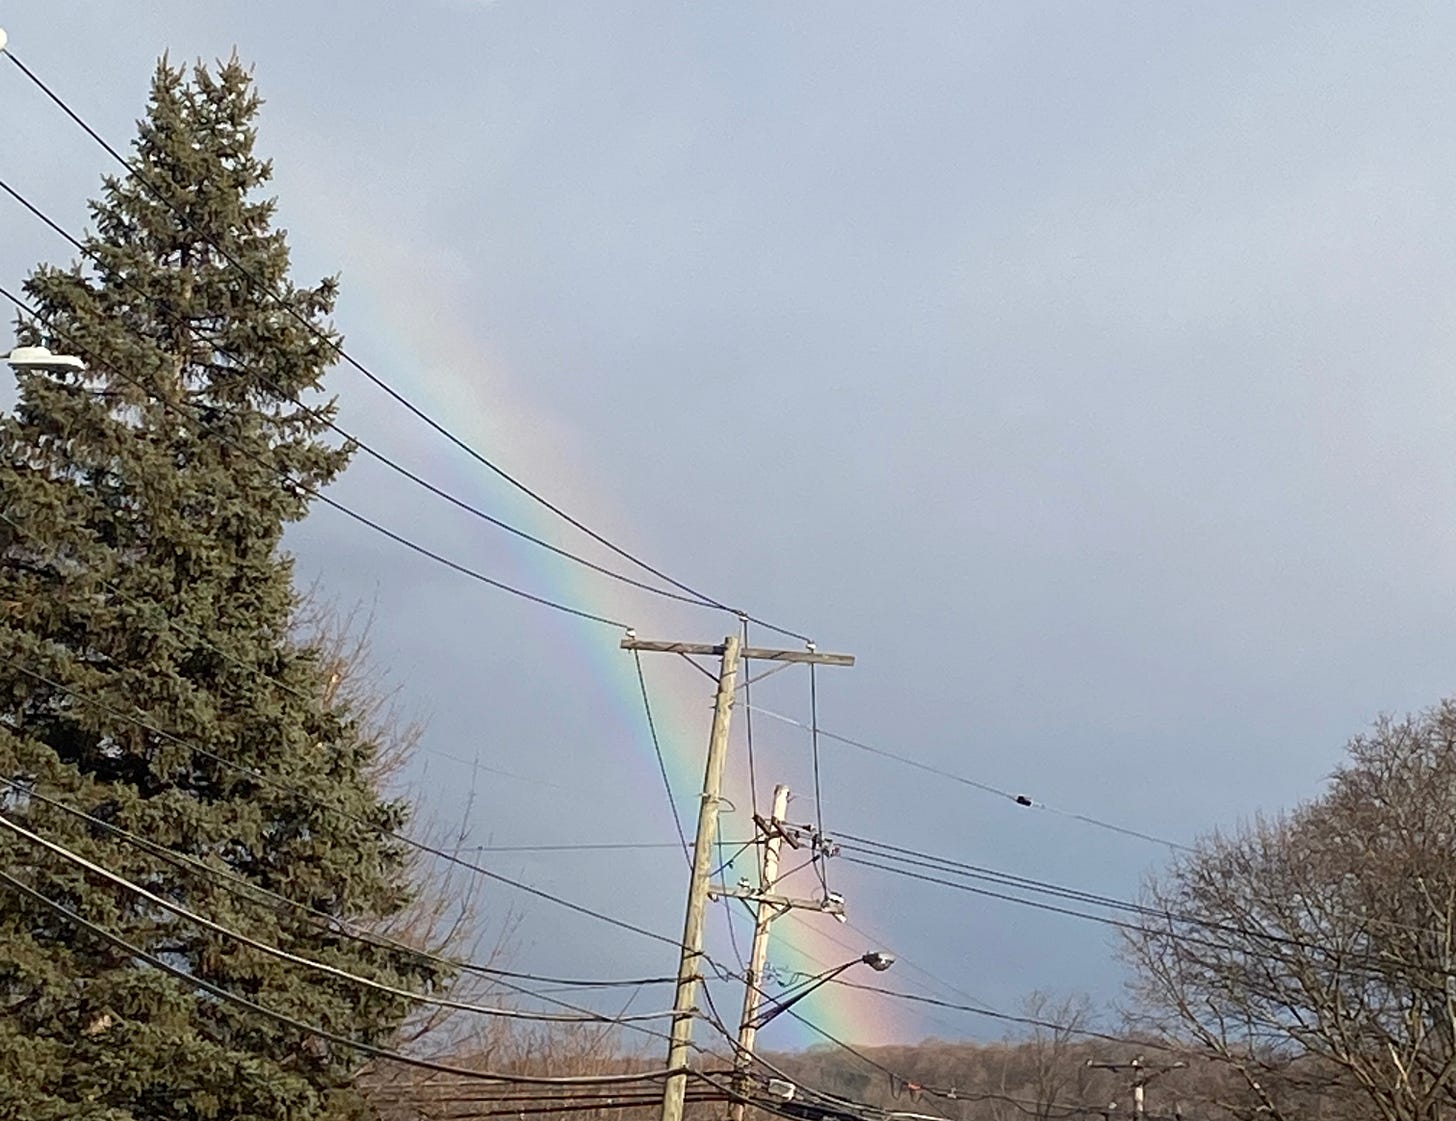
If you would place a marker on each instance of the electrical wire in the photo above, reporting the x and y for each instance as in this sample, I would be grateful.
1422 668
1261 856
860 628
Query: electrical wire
530 1110
723 897
527 1109
298 792
733 856
369 450
929 859
1005 1017
399 398
661 760
900 960
984 787
584 846
245 889
811 862
508 848
974 1008
1363 963
747 687
818 850
311 963
202 427
717 1021
951 1093
384 1053
916 858
195 635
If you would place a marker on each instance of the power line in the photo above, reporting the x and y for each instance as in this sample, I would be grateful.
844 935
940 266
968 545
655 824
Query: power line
232 659
818 847
202 427
240 886
995 1014
172 624
306 796
972 1007
1365 963
394 394
464 570
310 963
717 1021
972 1004
661 761
747 687
984 787
920 859
535 1106
583 846
325 419
370 1049
951 1093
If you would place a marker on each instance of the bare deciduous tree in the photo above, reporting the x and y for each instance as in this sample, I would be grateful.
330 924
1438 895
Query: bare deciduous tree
1312 953
1047 1073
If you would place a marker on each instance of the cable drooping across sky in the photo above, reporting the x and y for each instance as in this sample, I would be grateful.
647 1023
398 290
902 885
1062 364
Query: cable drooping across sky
976 784
202 427
368 449
306 962
394 394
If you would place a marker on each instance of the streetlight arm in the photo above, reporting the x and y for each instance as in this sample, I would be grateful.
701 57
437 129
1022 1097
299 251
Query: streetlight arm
809 986
875 959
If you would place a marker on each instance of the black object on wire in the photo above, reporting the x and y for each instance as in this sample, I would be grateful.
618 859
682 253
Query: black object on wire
976 784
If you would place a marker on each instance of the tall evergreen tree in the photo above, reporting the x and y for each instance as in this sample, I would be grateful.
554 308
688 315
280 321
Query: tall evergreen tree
143 586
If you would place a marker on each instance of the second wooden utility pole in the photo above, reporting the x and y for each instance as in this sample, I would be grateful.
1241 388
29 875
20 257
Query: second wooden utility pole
767 912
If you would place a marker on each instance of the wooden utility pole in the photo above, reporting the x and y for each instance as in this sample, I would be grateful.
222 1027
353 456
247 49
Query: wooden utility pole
688 970
689 973
767 912
1142 1074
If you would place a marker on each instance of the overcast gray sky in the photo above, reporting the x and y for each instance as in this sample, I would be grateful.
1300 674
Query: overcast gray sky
1083 369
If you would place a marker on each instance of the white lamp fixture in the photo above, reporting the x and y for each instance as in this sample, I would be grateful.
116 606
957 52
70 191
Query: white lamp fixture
41 358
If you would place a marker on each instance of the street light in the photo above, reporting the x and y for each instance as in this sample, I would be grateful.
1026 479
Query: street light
41 358
875 959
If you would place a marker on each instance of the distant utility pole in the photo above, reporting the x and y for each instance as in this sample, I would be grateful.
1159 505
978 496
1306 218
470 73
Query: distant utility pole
688 972
1142 1074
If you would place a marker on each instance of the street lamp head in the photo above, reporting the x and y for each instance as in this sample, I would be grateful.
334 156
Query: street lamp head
878 960
41 358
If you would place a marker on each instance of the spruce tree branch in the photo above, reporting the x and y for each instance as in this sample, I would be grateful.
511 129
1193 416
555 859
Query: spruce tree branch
311 963
301 488
370 1049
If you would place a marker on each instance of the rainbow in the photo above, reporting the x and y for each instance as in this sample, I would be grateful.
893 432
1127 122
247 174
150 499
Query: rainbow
390 296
